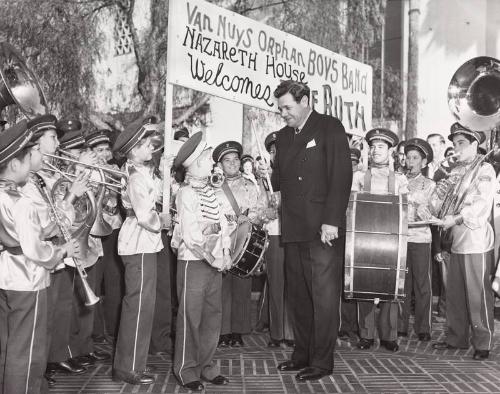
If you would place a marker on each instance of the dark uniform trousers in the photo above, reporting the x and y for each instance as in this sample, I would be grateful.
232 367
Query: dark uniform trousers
114 283
349 316
236 304
279 316
418 281
161 340
23 341
387 320
315 309
52 299
198 320
99 325
62 316
82 320
137 314
469 300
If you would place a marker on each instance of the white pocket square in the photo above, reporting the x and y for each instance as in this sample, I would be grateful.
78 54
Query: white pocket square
311 144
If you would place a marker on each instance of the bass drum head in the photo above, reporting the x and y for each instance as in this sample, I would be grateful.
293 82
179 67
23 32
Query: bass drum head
240 240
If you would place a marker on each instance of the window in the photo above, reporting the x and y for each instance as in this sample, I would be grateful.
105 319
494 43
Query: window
123 35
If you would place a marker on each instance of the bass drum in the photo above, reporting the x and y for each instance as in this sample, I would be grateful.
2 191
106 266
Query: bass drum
247 252
376 240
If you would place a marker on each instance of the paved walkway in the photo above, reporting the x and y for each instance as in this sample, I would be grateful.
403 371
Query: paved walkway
415 368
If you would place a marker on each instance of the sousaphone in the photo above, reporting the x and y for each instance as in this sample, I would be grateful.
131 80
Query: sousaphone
19 85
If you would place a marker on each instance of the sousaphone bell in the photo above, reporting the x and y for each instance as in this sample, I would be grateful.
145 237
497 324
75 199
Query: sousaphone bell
19 85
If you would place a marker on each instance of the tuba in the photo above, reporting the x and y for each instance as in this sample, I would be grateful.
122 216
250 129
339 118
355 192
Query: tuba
19 85
474 100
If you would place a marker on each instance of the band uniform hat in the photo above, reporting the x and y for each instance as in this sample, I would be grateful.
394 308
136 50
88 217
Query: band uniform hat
134 133
40 124
14 139
385 135
72 140
181 133
421 145
69 124
355 154
457 128
270 139
226 147
98 137
190 150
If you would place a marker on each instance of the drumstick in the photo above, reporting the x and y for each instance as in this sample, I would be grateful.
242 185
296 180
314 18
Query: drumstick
257 141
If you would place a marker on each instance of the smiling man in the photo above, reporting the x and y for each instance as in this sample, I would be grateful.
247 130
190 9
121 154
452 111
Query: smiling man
312 169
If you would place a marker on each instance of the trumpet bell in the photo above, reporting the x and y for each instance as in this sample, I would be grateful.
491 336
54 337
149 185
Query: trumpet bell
19 85
473 93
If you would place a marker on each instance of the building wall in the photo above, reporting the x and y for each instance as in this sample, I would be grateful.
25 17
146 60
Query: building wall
451 32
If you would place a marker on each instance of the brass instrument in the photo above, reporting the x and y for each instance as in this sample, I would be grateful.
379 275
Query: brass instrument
101 228
474 100
81 235
217 177
18 84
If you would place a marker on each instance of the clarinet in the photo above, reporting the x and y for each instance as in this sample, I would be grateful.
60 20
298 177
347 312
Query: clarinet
90 297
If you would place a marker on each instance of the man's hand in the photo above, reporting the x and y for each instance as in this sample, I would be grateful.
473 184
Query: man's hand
263 168
448 222
329 233
72 248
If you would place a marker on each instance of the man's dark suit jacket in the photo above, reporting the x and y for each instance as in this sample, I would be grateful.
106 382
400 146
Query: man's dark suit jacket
313 171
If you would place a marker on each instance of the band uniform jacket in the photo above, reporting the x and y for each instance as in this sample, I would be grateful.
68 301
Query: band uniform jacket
140 232
314 174
27 258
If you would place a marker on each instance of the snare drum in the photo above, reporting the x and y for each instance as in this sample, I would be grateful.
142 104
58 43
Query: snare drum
247 252
376 239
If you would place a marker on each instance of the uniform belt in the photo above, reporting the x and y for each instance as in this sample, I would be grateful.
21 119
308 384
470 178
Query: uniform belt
14 250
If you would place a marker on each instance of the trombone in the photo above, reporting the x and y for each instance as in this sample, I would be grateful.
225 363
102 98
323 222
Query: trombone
71 158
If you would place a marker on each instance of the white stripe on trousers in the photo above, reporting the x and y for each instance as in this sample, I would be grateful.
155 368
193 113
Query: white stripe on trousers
138 312
484 299
31 343
430 291
184 324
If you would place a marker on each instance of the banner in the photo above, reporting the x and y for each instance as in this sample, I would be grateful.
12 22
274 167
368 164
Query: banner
225 54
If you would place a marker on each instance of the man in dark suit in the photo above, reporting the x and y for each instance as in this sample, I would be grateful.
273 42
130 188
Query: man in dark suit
313 172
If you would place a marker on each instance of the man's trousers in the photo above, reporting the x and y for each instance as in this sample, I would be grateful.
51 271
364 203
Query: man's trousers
138 308
314 284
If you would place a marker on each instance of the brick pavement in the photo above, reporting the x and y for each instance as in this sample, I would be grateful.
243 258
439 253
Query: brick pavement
415 368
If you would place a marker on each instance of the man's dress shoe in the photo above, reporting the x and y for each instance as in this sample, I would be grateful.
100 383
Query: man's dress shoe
290 365
312 373
51 382
68 366
237 340
132 377
224 340
273 343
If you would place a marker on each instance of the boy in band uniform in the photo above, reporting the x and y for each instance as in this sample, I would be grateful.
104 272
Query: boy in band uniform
469 299
138 243
202 240
383 180
236 292
26 260
110 270
418 256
